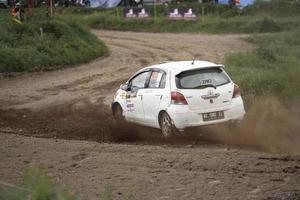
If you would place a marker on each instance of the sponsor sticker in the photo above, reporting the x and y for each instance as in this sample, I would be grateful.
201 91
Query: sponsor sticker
129 105
123 95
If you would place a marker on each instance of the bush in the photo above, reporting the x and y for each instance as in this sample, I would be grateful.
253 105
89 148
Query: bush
42 44
271 69
36 186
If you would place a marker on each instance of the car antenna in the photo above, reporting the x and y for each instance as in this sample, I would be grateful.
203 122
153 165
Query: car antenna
193 61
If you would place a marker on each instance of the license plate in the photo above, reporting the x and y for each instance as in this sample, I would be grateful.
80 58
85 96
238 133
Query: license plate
213 116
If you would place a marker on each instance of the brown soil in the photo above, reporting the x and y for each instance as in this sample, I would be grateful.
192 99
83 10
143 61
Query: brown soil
73 104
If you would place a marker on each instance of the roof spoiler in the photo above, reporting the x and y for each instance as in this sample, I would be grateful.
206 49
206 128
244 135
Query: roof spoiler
221 66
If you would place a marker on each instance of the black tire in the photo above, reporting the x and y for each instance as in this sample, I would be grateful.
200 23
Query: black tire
118 113
166 125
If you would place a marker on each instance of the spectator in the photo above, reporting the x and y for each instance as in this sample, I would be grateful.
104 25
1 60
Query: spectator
18 12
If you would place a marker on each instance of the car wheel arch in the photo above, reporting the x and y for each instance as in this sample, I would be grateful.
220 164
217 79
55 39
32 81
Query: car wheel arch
115 105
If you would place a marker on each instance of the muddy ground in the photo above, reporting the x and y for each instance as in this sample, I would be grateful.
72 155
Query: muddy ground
61 121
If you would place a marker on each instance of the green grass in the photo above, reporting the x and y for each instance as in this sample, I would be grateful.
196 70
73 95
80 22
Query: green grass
210 24
37 186
42 44
270 70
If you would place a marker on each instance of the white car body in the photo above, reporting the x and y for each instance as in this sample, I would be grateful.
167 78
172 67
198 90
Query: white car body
203 106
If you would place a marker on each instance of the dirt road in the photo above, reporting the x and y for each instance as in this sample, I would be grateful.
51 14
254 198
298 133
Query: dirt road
152 171
73 104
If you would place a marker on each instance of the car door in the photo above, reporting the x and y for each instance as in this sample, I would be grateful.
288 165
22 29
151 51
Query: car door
153 95
134 105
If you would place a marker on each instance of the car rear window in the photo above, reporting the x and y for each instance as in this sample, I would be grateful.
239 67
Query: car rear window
200 78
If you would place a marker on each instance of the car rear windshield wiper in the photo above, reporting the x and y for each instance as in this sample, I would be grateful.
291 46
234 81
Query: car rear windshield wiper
205 86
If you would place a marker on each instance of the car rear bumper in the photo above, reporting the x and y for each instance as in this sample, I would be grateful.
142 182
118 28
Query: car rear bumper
183 117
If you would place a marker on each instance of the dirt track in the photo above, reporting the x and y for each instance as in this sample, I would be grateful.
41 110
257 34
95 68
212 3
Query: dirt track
153 172
73 104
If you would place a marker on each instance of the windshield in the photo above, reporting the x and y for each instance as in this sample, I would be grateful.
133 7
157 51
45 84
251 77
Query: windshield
201 78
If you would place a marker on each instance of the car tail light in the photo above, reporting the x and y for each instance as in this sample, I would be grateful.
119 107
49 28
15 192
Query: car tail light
178 98
236 91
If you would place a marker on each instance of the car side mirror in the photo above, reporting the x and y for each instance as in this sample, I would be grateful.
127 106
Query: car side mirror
125 86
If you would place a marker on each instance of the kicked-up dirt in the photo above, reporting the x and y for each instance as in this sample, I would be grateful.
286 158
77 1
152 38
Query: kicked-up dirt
61 122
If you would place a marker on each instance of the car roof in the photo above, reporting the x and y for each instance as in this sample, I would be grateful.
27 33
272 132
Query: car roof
178 66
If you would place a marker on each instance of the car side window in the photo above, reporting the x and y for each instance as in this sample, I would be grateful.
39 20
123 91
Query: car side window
157 79
162 83
140 80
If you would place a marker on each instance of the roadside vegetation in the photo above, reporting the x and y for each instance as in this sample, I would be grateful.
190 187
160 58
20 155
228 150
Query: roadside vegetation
37 186
41 43
272 69
263 17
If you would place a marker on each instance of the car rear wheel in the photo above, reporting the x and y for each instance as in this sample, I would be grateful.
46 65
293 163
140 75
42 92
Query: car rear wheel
118 113
166 125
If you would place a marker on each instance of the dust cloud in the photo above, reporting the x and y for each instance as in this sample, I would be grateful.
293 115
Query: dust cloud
268 126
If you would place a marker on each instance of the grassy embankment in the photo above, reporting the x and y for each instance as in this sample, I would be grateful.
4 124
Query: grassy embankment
272 69
42 44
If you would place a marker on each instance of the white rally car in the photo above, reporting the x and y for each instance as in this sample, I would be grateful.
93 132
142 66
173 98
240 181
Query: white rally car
175 95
